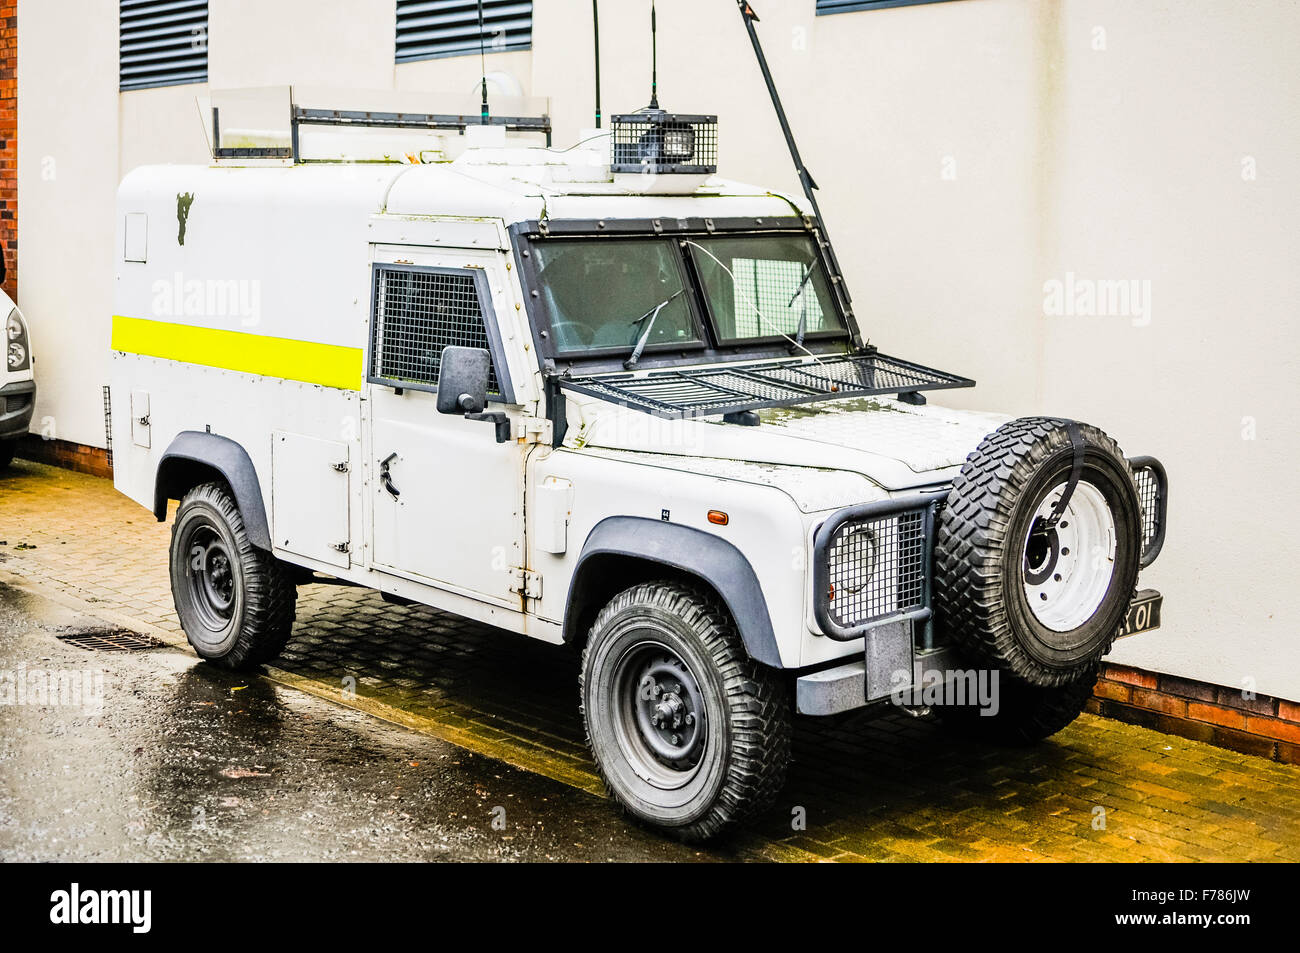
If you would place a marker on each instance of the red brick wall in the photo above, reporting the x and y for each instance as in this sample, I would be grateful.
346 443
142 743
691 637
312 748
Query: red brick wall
1249 723
9 143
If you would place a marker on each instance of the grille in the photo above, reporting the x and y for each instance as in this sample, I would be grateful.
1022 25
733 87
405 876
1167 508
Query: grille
1148 485
877 567
418 313
111 640
732 387
763 287
656 141
162 43
433 28
108 425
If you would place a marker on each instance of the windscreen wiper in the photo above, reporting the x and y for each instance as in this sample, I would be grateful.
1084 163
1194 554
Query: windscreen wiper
812 266
803 310
653 313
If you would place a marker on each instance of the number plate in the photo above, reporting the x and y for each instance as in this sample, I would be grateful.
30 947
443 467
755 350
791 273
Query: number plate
1143 614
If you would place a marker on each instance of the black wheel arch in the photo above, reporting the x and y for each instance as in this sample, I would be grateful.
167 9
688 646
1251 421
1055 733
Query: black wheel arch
193 458
622 551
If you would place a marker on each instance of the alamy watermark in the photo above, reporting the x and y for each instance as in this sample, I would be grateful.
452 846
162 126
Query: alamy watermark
1098 298
948 688
66 688
130 907
238 298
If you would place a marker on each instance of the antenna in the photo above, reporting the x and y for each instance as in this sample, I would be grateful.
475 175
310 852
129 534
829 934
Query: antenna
654 59
805 177
595 29
482 61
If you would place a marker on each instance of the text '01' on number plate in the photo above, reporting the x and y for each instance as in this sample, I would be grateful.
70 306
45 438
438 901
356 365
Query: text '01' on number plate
1143 613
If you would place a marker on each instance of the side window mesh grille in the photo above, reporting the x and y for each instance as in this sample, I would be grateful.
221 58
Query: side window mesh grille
418 313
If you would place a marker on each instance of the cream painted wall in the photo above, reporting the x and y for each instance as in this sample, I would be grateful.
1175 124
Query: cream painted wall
1147 182
967 151
67 180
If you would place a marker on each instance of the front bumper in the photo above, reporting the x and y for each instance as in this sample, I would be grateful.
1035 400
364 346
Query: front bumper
17 403
873 578
891 656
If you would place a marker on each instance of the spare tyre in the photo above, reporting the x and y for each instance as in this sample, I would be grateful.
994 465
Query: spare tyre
1023 583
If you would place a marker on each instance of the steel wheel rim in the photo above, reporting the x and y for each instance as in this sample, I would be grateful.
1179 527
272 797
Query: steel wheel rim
211 576
1066 570
655 697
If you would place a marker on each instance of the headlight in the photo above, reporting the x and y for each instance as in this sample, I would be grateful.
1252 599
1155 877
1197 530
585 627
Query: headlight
679 143
18 352
855 563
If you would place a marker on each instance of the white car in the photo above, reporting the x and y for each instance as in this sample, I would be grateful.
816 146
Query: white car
17 383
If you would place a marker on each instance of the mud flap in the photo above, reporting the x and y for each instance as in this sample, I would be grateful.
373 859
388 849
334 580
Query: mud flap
889 656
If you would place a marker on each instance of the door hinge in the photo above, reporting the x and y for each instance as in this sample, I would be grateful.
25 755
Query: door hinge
527 583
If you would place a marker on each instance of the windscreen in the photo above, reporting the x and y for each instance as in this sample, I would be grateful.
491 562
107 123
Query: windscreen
764 286
613 293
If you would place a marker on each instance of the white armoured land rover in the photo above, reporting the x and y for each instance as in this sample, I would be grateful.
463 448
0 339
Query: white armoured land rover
630 412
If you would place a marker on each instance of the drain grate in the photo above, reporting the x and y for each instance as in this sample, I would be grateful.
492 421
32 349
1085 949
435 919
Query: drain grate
111 640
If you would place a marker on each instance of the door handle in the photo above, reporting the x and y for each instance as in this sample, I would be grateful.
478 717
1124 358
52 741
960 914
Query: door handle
385 478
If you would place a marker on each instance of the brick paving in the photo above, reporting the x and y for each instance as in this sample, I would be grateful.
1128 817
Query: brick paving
889 788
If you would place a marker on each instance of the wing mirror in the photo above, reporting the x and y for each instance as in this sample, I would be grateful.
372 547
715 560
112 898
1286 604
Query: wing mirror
463 385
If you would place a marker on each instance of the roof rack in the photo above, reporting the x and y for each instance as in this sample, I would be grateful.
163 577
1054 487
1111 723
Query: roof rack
357 118
732 388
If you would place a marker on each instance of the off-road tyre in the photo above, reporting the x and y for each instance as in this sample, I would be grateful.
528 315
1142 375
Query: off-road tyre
1025 715
981 550
742 748
235 601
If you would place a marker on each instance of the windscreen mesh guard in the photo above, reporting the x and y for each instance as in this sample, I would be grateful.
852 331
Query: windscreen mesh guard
728 388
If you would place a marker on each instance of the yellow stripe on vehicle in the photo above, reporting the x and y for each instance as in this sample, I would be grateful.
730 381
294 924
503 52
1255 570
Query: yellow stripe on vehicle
329 365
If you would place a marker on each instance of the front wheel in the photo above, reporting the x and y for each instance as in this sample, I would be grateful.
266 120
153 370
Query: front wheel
6 453
235 601
689 733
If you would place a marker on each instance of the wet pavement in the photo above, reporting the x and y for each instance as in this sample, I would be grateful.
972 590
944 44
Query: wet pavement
476 705
158 757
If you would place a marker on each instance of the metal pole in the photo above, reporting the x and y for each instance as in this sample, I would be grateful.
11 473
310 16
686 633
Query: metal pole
805 177
595 29
482 60
654 59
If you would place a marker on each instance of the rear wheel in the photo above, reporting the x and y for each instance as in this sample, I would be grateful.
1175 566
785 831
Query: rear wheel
689 733
235 601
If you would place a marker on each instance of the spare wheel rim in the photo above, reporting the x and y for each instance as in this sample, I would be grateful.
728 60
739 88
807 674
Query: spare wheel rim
1067 569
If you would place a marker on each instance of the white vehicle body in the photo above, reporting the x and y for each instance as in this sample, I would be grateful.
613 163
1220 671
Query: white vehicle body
262 316
256 331
547 391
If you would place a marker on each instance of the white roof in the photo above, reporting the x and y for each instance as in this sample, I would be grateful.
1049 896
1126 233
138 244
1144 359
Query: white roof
510 184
